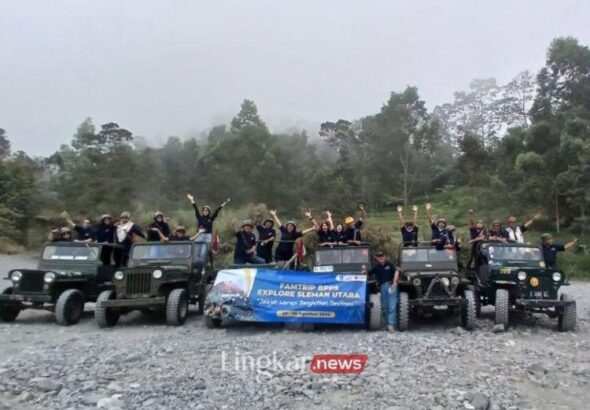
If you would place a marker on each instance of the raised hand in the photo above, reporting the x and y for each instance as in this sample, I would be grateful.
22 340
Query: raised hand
414 208
273 212
307 214
190 198
537 215
428 206
400 209
328 214
227 201
470 212
65 214
362 206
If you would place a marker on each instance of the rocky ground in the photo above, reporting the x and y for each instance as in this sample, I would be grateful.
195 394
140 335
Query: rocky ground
142 363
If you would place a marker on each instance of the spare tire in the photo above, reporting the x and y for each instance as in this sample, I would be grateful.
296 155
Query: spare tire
375 313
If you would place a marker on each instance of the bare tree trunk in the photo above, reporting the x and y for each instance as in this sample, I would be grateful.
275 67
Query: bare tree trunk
557 226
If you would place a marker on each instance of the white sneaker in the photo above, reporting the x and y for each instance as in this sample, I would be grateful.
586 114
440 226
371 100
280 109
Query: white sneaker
390 328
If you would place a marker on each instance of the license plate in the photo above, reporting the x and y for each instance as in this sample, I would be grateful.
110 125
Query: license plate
320 269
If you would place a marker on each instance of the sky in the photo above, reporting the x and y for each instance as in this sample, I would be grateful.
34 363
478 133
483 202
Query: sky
162 68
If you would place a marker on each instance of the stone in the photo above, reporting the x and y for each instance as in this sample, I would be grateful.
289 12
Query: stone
499 328
45 384
479 401
110 403
537 369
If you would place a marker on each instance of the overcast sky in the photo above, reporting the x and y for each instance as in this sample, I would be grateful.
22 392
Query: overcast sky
161 68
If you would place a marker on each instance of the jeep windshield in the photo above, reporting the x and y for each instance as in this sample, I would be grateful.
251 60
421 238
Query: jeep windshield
410 255
157 251
339 256
71 253
515 254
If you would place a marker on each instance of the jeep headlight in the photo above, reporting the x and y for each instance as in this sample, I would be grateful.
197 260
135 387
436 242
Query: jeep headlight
455 280
445 281
119 275
49 277
416 281
157 274
16 276
521 275
556 276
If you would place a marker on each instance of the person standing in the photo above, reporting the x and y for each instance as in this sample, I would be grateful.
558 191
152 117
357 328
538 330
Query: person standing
387 278
439 229
514 232
159 230
496 233
85 231
245 251
353 228
126 235
289 234
409 229
105 233
266 238
477 233
205 221
551 249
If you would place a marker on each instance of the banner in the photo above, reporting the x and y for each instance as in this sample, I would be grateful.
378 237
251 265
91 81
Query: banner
266 295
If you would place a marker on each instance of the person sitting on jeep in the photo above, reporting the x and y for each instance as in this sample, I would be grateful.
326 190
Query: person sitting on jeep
449 240
514 231
245 251
65 235
179 234
289 234
85 231
408 228
266 238
325 231
387 277
477 230
339 235
551 249
496 232
353 228
159 230
439 228
105 233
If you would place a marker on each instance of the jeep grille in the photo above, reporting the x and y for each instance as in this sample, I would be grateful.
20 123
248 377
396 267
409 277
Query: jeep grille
138 283
31 281
437 289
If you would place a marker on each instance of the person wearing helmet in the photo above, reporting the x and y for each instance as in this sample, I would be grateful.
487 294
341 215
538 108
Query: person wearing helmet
126 234
159 230
551 249
353 228
439 228
514 231
85 232
289 234
409 228
245 250
496 233
266 238
179 234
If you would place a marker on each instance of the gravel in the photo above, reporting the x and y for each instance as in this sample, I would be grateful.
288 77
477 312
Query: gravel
143 363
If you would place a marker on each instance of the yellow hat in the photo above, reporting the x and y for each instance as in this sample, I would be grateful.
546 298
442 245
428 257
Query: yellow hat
349 220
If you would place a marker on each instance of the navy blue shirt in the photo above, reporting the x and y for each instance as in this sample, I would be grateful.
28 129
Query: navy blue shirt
447 239
288 238
162 226
205 222
354 234
550 254
409 237
84 233
326 236
105 233
383 273
474 232
437 233
245 242
339 236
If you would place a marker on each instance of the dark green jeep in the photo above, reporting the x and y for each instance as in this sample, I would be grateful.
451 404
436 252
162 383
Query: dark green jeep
431 279
513 277
68 275
160 277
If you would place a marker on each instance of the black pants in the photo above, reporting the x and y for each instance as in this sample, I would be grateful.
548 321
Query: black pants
121 256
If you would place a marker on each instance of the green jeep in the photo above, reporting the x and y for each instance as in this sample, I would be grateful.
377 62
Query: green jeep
68 275
160 277
430 279
513 277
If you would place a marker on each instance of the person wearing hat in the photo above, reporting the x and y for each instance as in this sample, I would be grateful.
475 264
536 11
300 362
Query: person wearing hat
65 235
245 251
266 238
159 230
179 234
105 233
353 228
551 249
325 231
289 234
205 223
514 231
408 228
477 232
126 234
496 233
85 232
448 240
387 278
439 228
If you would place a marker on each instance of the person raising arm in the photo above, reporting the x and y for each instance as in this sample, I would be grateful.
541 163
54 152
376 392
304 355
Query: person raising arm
409 229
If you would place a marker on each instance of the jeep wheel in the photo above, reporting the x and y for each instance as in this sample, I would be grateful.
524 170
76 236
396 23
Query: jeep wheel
403 312
375 314
468 311
212 323
502 307
566 321
203 297
477 298
177 307
69 307
9 312
106 317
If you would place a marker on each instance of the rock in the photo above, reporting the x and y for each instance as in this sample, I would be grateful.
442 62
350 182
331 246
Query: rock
200 384
537 369
46 385
498 328
25 396
479 401
110 403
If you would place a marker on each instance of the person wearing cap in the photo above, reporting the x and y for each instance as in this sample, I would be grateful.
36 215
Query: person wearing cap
551 249
409 229
159 230
289 234
439 228
126 234
514 231
245 251
179 234
353 228
85 232
496 233
387 278
266 238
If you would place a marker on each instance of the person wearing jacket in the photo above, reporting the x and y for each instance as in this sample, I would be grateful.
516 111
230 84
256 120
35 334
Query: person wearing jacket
158 230
205 221
126 235
514 232
245 251
289 234
85 232
266 238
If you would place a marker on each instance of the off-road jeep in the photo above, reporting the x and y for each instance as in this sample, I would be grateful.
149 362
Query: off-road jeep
68 275
431 279
161 277
513 277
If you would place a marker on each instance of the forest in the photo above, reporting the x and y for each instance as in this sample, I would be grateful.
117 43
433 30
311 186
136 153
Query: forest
513 148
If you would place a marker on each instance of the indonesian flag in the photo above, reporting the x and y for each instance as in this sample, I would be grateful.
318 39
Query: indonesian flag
301 252
215 244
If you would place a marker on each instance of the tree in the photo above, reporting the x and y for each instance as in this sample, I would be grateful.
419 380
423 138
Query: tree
4 144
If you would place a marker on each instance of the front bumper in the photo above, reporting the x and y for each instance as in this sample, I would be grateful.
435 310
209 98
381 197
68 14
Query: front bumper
543 303
24 298
136 303
431 302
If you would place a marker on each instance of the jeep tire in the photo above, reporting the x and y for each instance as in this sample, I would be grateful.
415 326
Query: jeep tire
9 312
477 300
468 311
69 307
566 321
403 311
177 307
502 307
106 317
375 313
